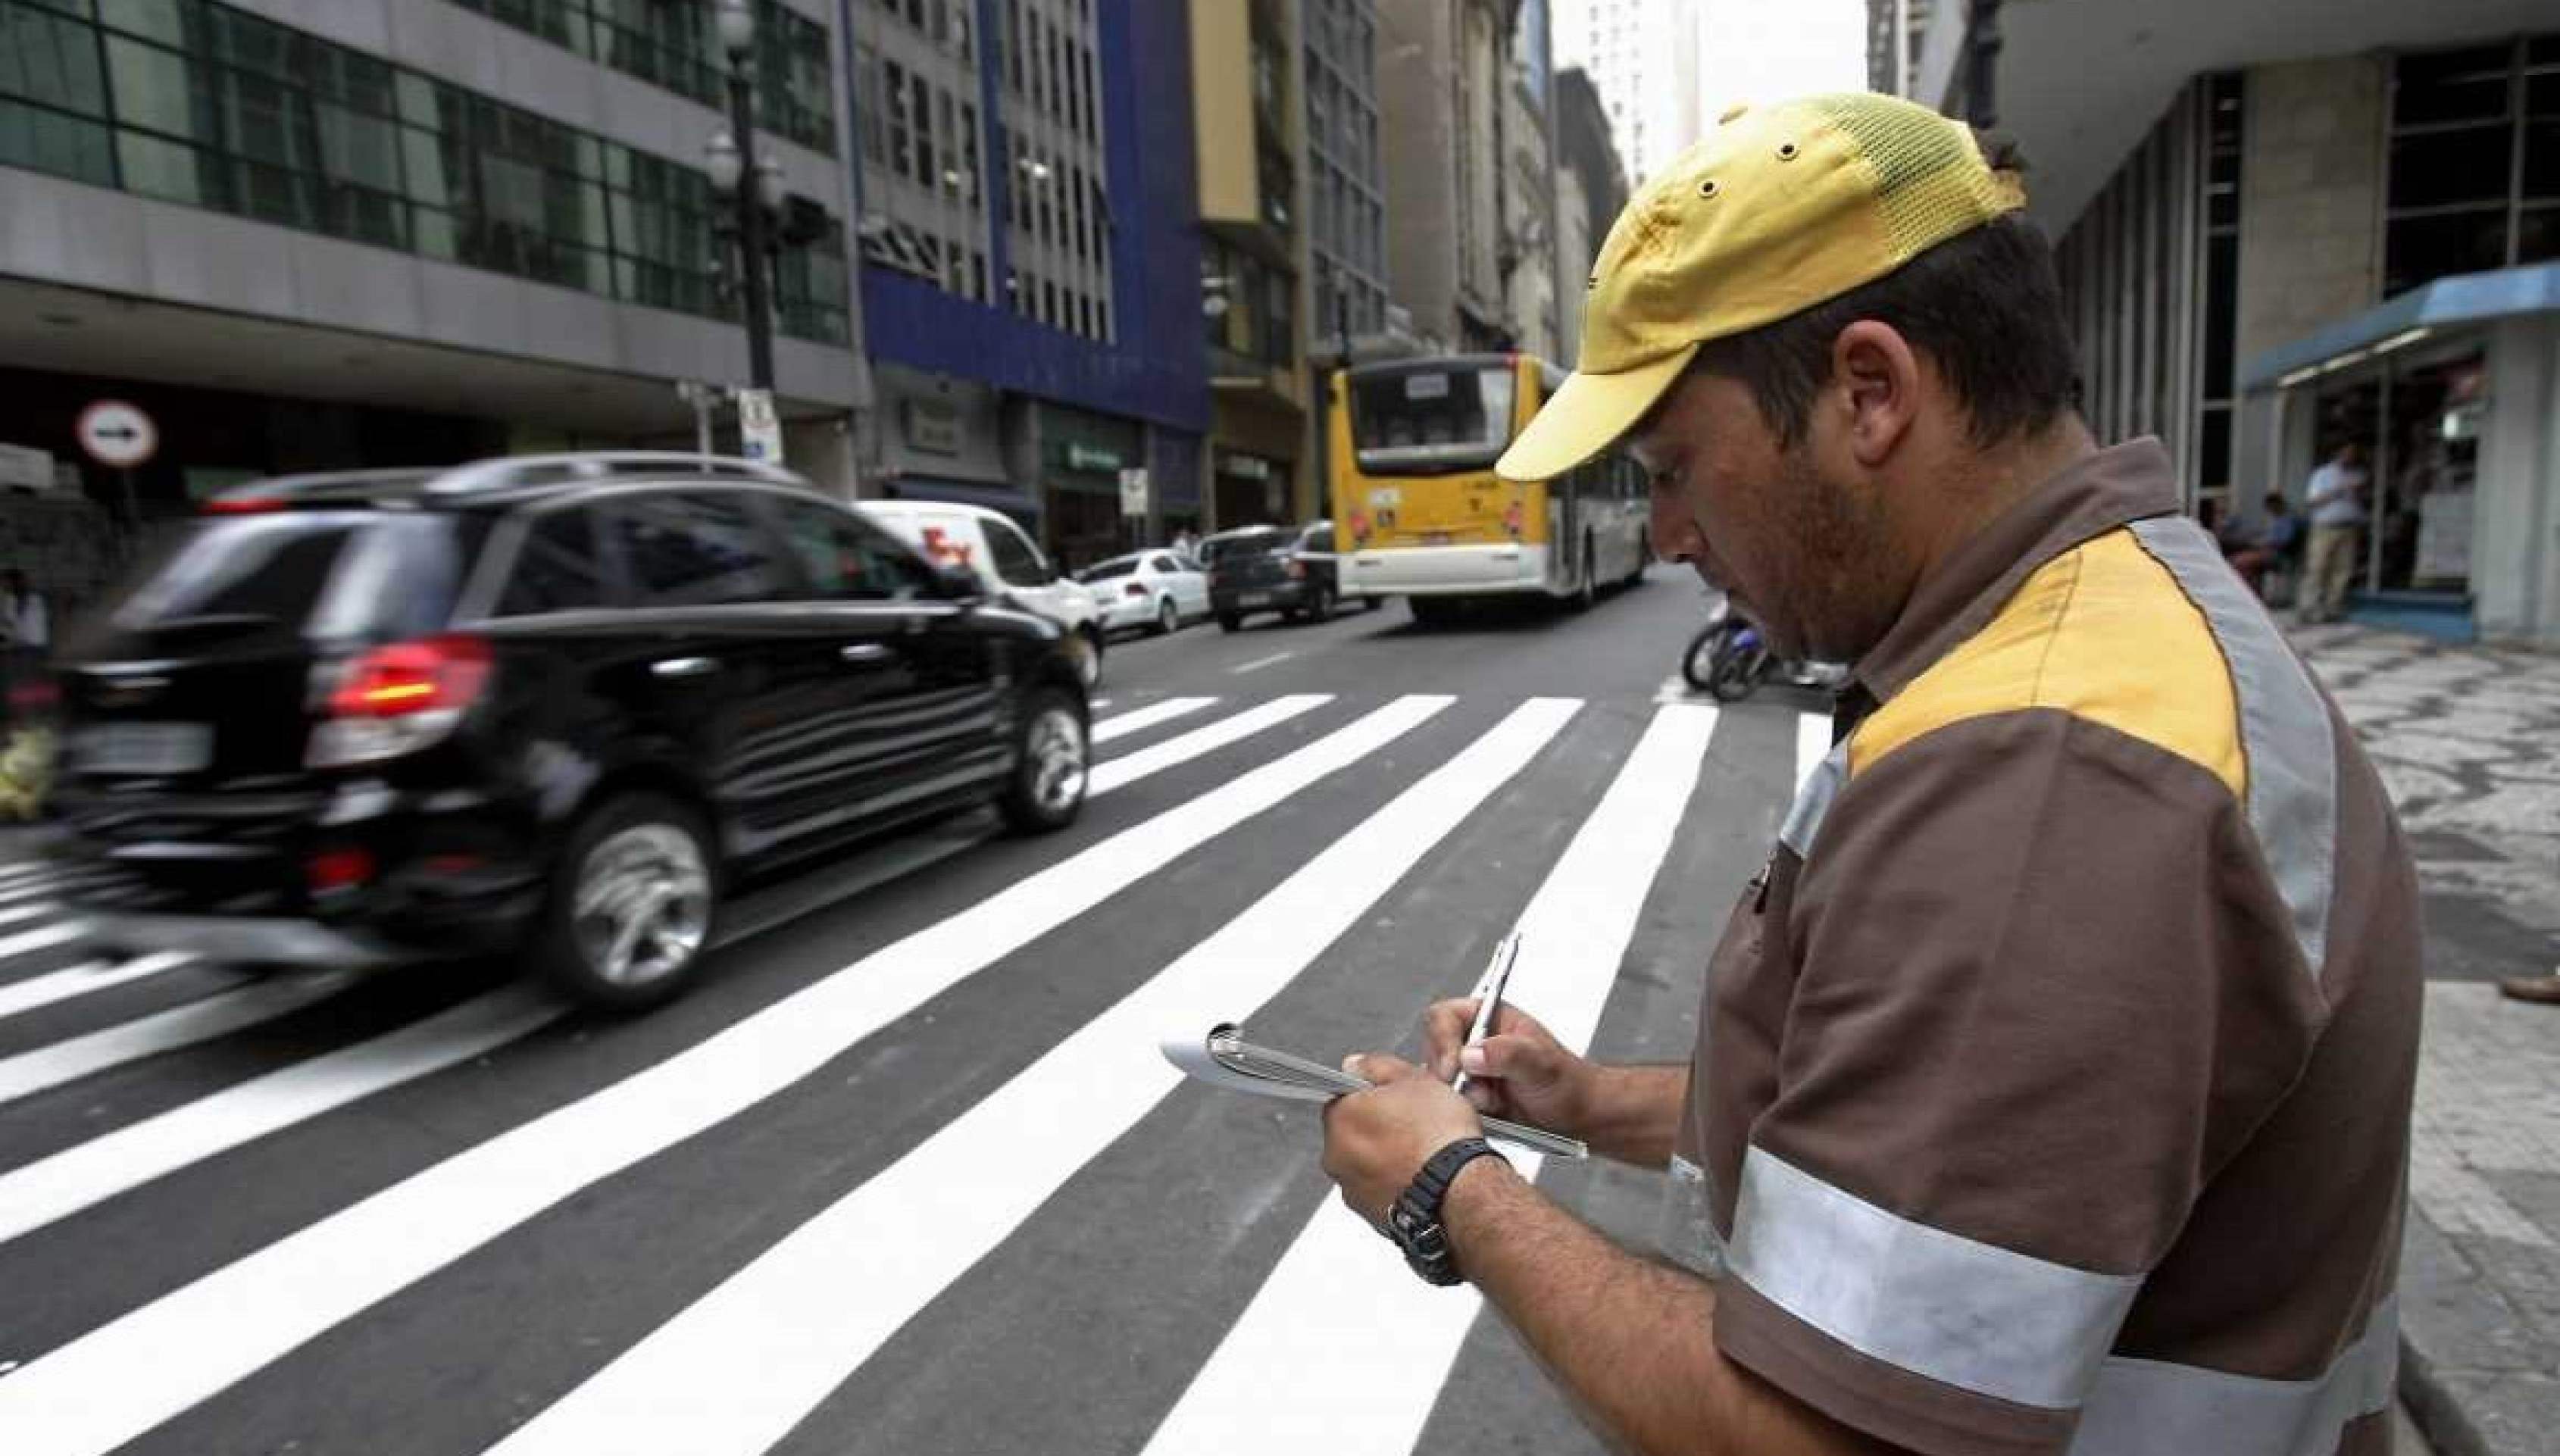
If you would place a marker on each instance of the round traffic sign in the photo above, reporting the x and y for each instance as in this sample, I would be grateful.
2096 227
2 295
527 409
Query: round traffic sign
118 434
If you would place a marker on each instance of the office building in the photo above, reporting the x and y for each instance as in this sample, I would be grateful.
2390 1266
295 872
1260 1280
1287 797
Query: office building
1590 191
1897 34
388 232
1345 186
1028 262
1533 288
2292 225
1470 208
1643 56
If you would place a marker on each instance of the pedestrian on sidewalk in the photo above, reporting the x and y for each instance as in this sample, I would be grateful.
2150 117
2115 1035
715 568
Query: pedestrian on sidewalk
2051 1088
2335 497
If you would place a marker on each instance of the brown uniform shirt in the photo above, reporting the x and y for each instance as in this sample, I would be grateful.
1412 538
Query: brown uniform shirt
2052 1091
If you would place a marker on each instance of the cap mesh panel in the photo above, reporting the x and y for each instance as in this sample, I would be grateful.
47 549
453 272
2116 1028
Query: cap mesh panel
1927 182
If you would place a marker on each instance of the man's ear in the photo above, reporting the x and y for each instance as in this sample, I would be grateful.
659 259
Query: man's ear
1881 378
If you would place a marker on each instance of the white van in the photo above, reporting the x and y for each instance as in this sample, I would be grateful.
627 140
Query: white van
1005 560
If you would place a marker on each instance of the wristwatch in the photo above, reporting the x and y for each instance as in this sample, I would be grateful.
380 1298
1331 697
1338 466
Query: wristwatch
1413 1221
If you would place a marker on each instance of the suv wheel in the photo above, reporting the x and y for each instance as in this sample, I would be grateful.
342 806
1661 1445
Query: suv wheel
1050 765
1167 617
1085 644
631 905
1230 621
1320 603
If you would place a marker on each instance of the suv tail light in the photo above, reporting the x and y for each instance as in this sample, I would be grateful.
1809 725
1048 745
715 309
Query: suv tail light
399 699
1295 568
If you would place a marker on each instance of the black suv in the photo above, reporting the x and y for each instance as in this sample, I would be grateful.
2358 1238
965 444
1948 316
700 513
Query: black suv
1289 570
544 705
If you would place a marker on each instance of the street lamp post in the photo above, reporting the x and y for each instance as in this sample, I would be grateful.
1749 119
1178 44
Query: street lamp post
746 181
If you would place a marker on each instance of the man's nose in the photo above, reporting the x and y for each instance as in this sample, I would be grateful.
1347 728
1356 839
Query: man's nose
1676 536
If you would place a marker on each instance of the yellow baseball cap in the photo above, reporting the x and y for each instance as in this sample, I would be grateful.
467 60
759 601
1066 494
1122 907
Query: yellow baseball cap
1776 210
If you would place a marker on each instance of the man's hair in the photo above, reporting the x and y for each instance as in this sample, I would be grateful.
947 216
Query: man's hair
1984 305
2275 502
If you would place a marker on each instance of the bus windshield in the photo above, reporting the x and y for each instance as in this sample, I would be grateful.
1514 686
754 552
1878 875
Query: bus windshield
1432 422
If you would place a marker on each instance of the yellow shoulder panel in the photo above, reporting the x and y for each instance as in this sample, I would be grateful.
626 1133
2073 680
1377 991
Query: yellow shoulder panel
2103 632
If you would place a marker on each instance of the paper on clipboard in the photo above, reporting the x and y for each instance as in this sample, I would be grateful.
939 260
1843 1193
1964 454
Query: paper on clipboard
1224 1059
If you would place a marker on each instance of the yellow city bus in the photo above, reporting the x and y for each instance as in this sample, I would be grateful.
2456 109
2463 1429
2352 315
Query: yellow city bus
1418 512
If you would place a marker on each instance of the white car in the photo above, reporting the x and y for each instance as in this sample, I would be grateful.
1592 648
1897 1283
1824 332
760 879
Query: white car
1007 563
1147 589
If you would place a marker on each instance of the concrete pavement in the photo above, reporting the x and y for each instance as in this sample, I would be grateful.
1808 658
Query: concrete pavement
2465 736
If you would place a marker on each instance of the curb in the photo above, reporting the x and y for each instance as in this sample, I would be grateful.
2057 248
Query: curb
2434 1409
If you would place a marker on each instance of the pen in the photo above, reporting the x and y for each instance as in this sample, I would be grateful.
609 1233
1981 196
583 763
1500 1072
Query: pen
1489 997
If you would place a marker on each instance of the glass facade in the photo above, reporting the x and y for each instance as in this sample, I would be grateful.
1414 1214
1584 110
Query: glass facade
672 43
1346 198
196 102
2474 181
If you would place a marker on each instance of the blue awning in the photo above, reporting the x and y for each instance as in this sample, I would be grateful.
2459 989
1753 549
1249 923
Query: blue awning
994 497
2463 299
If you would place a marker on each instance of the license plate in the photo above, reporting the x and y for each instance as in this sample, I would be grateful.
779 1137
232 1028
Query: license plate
1256 598
1435 538
144 747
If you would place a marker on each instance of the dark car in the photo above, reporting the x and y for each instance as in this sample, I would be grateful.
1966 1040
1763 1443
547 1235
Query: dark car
542 706
1289 570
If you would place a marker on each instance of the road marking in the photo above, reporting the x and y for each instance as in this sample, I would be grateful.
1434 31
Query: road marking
147 1366
1812 744
1098 704
774 1339
220 1014
1259 663
1308 1347
1123 771
68 1182
80 980
1676 688
27 912
22 874
1145 717
43 938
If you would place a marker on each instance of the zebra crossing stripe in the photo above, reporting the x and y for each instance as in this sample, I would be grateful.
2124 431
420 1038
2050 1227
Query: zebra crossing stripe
775 1337
80 980
1813 745
43 938
68 1182
1124 771
1308 1348
1141 720
219 1015
113 1384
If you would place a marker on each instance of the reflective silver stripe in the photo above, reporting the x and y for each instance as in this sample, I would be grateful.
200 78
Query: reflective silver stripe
2147 1407
1813 801
1971 1315
2284 728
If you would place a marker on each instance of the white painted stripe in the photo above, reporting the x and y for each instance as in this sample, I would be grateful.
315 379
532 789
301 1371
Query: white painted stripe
1259 663
80 980
1143 719
68 1182
47 1067
775 1337
18 875
1309 1347
1813 745
140 1369
43 938
17 913
1123 771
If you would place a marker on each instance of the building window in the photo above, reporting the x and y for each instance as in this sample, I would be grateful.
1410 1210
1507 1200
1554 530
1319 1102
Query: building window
2474 161
222 109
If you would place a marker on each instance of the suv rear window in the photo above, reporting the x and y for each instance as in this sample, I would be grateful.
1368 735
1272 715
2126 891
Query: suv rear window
324 574
1252 543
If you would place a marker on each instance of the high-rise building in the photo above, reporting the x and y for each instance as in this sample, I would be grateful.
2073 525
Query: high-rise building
391 231
1590 191
1897 34
1346 186
1643 54
1469 176
1027 262
2305 226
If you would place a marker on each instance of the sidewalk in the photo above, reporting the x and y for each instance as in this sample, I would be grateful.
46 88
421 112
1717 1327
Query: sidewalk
2466 738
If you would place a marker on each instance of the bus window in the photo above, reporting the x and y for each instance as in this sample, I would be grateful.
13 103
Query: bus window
1432 422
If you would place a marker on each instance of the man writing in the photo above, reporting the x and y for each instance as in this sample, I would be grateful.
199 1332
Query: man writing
2053 1083
2335 496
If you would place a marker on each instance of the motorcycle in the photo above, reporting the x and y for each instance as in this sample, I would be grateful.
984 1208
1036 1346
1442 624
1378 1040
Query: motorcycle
1728 661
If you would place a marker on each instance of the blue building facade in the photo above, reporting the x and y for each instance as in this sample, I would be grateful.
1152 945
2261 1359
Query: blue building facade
1029 269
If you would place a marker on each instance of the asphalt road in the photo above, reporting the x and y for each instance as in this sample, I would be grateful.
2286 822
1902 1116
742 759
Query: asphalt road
906 1174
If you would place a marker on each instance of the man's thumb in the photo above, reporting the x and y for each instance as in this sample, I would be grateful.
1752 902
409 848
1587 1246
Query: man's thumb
1501 1057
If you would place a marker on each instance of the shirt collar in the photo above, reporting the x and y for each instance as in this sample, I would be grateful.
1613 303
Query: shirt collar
2087 498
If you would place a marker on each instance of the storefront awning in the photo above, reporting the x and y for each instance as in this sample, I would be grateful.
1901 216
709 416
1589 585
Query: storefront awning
1004 497
2464 299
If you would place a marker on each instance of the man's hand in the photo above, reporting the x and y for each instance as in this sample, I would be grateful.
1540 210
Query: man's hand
1519 1072
1375 1141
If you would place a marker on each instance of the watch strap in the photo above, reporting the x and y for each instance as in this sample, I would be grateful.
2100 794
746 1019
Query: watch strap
1414 1221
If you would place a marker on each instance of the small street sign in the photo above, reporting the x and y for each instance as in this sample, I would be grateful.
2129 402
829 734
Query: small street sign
760 429
117 434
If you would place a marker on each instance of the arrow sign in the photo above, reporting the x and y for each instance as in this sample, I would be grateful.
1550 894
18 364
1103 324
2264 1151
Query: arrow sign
117 434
